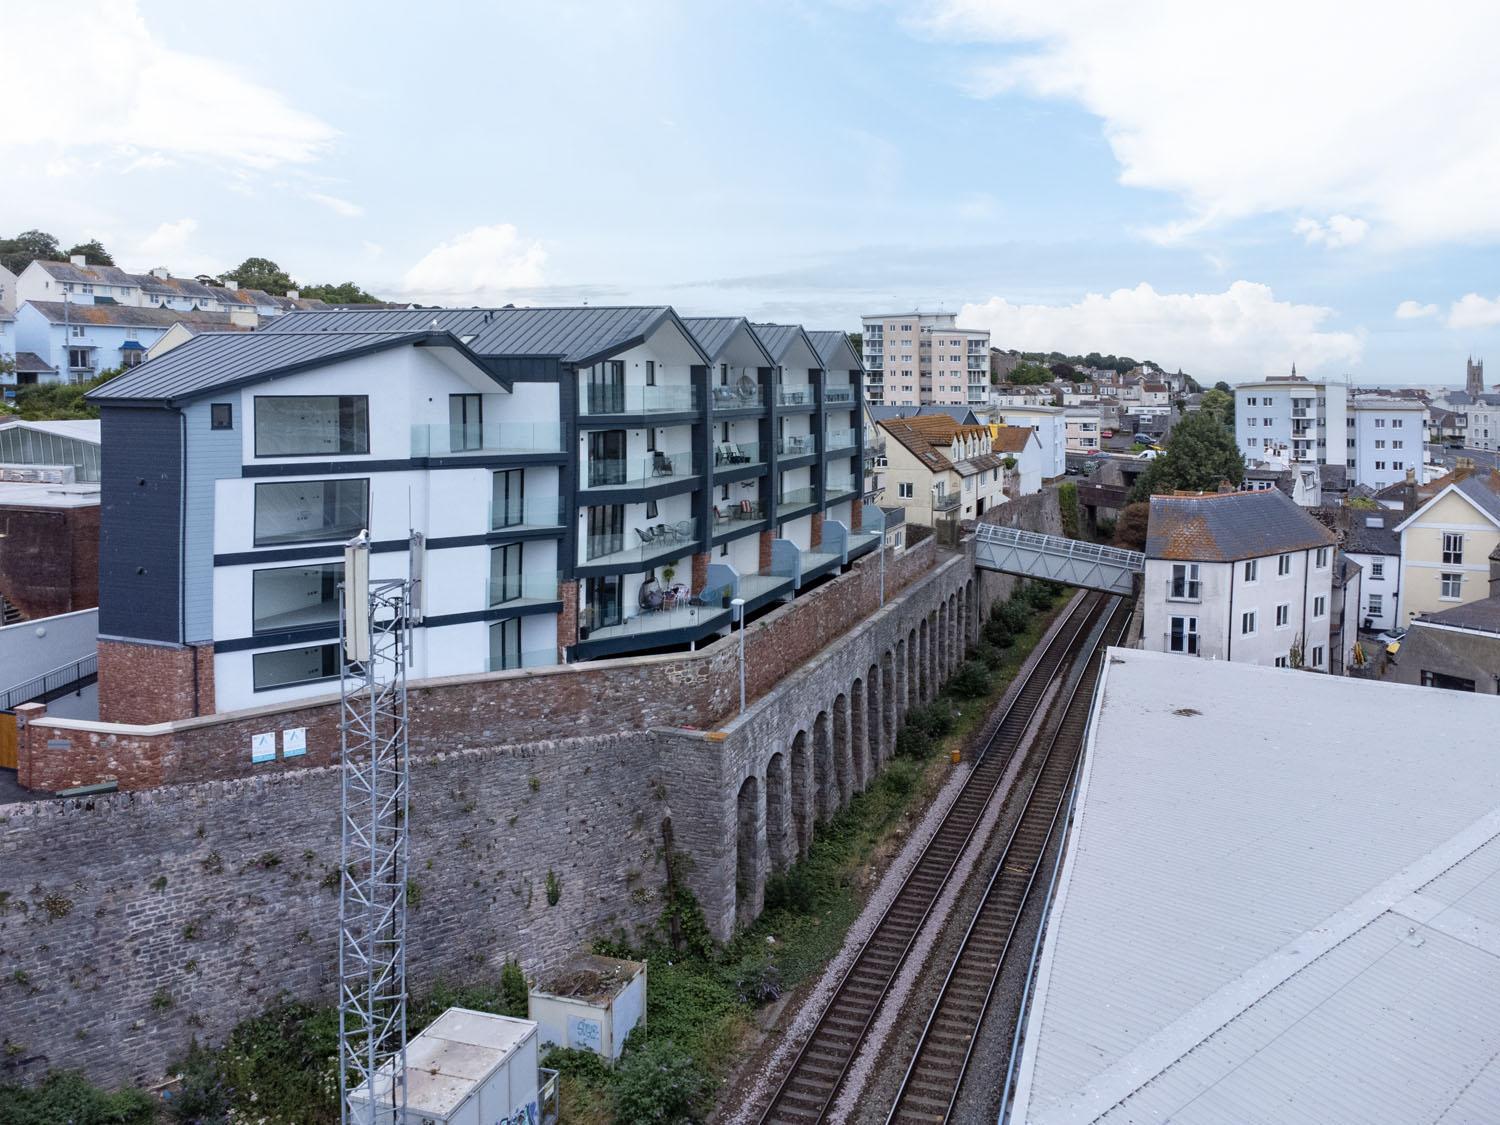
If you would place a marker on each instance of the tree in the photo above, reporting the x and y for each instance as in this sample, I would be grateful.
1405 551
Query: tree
1066 371
344 293
857 341
1220 405
260 273
1130 528
42 402
1223 386
27 247
1030 374
93 252
1200 453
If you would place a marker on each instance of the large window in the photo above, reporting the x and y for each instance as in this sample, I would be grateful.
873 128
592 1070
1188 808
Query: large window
1283 565
1185 584
295 666
505 645
1184 635
1452 586
606 531
1377 605
508 498
505 573
1252 569
295 597
1443 680
311 425
1247 623
465 422
306 511
1453 548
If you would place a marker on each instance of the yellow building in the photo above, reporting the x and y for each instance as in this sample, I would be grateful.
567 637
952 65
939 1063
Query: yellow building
1446 545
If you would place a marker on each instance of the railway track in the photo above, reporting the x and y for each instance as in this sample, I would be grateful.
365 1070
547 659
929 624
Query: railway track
819 1068
941 1058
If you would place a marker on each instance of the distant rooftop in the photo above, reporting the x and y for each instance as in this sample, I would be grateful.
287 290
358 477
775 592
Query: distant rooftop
1226 526
1280 903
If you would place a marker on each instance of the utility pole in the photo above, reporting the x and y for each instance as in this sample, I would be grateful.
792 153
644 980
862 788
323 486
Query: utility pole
374 636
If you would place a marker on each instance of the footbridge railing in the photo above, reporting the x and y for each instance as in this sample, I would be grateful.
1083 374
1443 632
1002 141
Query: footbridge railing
1057 558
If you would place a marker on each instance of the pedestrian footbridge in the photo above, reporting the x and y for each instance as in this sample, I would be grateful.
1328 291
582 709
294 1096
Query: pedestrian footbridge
1057 558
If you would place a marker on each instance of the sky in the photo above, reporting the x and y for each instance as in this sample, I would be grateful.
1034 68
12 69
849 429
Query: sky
1227 188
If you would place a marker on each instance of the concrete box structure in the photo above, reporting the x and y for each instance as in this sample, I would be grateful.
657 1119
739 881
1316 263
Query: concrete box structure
467 1068
591 1004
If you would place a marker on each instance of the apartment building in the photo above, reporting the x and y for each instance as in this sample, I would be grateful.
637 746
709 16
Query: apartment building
568 483
1293 419
1245 576
75 342
79 283
916 357
1081 429
1050 426
940 469
1446 545
1384 438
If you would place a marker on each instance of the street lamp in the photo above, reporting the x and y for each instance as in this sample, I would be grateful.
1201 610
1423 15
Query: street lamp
738 605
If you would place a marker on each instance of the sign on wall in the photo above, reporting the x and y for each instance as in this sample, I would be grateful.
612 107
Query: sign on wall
294 742
263 747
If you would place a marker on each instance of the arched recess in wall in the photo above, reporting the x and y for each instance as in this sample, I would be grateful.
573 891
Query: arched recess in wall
782 848
747 869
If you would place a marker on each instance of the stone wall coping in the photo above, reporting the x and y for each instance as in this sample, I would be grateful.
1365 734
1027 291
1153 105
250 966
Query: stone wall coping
221 718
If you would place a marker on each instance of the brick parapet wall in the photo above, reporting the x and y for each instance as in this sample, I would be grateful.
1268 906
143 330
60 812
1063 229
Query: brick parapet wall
695 689
222 896
153 683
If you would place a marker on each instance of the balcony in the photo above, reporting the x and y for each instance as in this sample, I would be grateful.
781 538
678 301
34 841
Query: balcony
642 545
946 502
491 440
729 515
840 440
535 513
839 489
726 400
526 588
794 501
838 396
605 401
796 445
794 394
673 623
641 472
730 455
1184 590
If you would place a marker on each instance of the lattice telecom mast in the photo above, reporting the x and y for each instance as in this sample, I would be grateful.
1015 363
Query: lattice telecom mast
375 632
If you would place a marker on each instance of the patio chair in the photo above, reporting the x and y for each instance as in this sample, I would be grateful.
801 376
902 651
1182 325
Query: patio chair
647 537
661 464
747 510
725 396
683 529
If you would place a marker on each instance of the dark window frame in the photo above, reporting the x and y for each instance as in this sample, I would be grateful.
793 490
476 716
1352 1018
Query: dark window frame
365 399
255 615
255 686
332 537
221 415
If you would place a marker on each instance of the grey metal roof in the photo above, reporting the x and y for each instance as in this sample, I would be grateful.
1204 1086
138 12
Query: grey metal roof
1272 909
1224 526
581 335
715 333
779 339
219 361
960 414
835 350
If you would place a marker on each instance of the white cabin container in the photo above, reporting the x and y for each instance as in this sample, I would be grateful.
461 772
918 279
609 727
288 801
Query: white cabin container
591 1003
467 1068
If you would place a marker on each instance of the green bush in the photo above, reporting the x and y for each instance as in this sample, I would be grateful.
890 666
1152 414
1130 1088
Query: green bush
792 891
971 681
989 655
64 1096
1015 613
1040 595
997 634
515 997
913 742
1067 503
578 1063
659 1082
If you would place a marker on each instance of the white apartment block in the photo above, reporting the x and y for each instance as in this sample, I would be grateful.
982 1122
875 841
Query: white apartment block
1051 429
1385 437
1292 420
916 358
1244 576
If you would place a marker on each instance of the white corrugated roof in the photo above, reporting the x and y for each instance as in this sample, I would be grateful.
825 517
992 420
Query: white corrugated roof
1283 907
81 429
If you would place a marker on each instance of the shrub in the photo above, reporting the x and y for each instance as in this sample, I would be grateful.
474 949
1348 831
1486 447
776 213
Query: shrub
913 742
997 634
988 655
757 980
1041 594
66 1096
515 997
658 1082
1067 503
1015 613
971 681
578 1063
283 1064
794 891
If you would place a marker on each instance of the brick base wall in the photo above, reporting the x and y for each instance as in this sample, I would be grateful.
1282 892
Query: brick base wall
856 515
145 683
816 538
764 560
567 618
695 689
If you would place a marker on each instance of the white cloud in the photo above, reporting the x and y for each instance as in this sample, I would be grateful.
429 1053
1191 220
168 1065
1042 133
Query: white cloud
1241 333
172 244
336 205
1414 310
480 265
1474 311
169 238
1339 230
160 103
1286 106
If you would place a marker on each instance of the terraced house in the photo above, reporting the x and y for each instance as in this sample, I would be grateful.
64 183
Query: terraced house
569 484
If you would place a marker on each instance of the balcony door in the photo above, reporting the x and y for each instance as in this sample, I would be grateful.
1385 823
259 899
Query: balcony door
505 573
508 498
606 389
604 605
465 422
606 531
606 457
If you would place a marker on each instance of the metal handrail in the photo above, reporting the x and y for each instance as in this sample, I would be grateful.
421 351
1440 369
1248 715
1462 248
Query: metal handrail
1058 544
49 681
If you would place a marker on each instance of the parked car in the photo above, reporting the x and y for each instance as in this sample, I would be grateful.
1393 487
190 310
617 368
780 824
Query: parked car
1144 439
1148 455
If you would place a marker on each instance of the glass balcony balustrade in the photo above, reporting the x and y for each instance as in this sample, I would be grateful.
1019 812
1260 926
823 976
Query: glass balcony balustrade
794 394
487 439
642 543
533 511
525 586
638 472
796 445
619 400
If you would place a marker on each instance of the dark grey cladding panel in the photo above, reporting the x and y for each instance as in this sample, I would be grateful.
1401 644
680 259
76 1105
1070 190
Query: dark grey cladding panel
140 524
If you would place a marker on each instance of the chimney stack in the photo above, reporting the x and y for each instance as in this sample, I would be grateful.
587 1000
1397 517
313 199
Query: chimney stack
293 294
161 271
